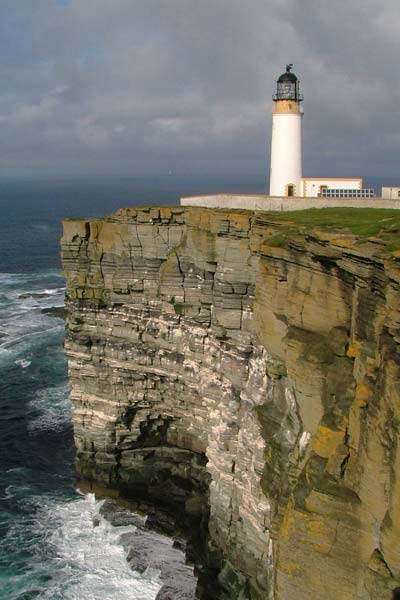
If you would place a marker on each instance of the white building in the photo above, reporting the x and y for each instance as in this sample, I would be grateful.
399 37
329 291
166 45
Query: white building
334 187
392 193
286 151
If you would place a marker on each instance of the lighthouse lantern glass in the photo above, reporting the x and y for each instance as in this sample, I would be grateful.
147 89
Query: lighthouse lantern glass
287 90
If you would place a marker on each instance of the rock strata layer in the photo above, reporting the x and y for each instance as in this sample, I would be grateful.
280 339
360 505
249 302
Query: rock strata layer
252 389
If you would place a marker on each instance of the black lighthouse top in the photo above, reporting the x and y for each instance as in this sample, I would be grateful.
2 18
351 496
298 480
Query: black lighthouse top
287 86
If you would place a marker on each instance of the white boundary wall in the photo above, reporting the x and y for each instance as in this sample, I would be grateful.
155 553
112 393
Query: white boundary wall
232 201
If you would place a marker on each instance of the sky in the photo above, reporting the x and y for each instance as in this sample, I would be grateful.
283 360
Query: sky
144 87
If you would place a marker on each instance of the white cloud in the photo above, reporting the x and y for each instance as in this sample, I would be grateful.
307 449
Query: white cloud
91 134
22 114
26 113
100 81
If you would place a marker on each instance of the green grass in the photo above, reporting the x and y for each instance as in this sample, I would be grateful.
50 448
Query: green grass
276 241
362 222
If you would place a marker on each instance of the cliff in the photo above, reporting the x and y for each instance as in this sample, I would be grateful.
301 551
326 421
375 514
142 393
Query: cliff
243 372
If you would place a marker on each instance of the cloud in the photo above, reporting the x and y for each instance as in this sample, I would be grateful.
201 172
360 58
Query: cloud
91 134
27 113
130 86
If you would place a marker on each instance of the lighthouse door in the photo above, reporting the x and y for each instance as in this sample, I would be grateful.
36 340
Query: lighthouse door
290 189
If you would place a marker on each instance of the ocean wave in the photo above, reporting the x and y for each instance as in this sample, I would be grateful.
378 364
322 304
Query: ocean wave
12 278
29 299
30 336
95 564
15 492
76 555
52 291
23 298
38 293
54 408
23 363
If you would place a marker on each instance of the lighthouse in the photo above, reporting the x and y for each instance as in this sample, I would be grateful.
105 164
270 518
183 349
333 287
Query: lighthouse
286 169
286 178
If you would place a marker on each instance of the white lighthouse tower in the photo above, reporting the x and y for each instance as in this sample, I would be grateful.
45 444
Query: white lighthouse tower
286 170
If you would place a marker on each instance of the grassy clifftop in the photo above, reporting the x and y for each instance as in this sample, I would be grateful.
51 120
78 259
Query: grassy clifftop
355 225
362 223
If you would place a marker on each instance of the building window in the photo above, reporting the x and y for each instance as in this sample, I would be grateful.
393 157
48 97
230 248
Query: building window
291 188
398 194
349 193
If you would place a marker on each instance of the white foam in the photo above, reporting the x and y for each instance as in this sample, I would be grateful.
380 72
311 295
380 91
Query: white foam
13 285
87 562
26 334
54 409
51 291
21 318
22 362
15 491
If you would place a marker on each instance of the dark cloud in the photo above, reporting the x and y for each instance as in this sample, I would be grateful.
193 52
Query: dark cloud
143 86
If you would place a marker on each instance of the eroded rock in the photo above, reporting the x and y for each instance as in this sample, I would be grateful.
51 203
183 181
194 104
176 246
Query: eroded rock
251 389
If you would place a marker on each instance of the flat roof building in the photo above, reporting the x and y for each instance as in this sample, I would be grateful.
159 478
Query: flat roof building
391 193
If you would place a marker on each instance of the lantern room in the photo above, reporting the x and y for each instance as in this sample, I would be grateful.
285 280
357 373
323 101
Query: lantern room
287 86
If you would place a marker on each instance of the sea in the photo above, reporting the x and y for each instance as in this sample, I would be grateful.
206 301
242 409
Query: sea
49 548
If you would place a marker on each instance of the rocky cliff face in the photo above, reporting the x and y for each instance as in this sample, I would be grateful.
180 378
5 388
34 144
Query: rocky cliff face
252 387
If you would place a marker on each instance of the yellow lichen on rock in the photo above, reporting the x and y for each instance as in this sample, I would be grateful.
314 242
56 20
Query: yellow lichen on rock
363 394
326 441
354 349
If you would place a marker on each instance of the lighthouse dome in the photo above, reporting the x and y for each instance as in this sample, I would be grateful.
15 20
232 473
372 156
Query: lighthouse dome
287 87
287 77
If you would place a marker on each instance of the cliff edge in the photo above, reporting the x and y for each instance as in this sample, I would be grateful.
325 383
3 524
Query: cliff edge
243 370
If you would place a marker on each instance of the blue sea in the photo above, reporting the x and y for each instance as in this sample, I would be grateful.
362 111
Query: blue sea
48 546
